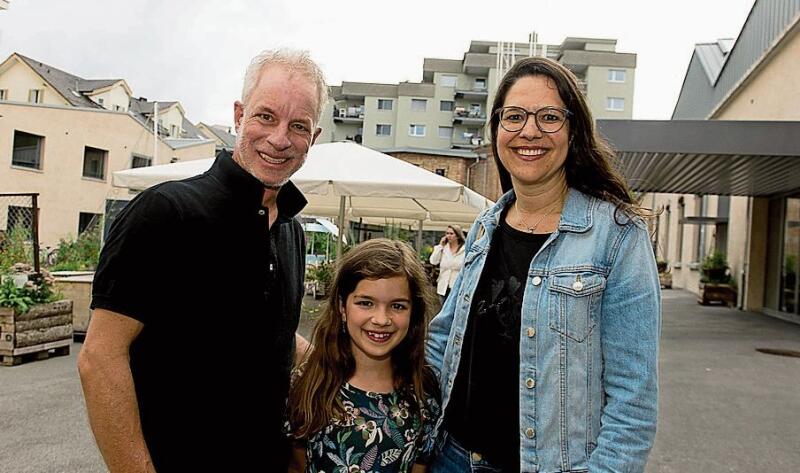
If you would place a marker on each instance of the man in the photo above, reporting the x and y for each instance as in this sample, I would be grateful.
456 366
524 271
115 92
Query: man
197 295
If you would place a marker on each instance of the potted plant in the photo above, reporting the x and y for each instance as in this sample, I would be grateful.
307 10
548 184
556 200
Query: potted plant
715 269
33 319
716 281
664 274
322 275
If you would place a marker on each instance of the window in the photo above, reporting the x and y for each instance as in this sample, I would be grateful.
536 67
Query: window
616 75
117 108
100 101
173 130
446 132
416 130
36 95
616 104
141 161
475 110
385 104
440 172
3 94
446 106
480 84
19 217
88 221
94 163
419 105
448 81
383 130
27 150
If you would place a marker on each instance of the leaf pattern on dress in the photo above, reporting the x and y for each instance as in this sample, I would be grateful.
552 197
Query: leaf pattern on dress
369 458
378 433
389 456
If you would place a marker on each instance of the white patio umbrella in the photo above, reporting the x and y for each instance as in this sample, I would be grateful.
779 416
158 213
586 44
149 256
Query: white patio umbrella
350 180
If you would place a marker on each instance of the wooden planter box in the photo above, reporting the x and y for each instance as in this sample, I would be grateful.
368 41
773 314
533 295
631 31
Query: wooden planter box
34 334
713 292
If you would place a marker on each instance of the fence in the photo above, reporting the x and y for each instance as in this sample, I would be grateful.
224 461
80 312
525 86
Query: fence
19 230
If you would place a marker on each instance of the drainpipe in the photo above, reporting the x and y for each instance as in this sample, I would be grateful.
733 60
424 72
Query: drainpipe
746 263
469 168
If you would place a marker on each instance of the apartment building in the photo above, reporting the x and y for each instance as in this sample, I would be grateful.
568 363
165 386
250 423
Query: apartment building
63 136
751 83
444 117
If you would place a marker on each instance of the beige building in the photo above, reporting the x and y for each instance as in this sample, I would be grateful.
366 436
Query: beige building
63 136
444 117
750 86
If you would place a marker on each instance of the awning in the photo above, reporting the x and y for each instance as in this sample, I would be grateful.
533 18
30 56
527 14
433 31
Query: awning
748 158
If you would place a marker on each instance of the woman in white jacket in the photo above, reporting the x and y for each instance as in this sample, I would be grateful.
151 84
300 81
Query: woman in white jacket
449 255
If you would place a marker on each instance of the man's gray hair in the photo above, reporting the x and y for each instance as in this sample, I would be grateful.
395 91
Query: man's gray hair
297 61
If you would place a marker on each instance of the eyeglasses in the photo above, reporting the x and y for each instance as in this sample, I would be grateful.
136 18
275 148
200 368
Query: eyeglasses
547 119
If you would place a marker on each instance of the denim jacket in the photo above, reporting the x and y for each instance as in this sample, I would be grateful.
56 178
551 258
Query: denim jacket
589 331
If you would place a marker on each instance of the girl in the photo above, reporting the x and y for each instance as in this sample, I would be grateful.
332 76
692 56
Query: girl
363 399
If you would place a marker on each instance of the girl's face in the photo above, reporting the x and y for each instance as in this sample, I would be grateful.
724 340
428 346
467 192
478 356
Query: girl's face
451 235
377 314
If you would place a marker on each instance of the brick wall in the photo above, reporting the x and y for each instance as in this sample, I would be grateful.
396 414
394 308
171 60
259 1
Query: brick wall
483 177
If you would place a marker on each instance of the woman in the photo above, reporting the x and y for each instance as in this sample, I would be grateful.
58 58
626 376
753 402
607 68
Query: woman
547 352
449 255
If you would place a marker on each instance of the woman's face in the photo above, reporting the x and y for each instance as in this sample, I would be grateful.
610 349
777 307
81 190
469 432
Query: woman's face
533 158
451 235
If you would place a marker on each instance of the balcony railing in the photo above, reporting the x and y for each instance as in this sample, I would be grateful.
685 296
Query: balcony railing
474 93
348 114
471 117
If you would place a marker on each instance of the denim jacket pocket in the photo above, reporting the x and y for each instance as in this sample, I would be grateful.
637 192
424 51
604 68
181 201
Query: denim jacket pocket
575 300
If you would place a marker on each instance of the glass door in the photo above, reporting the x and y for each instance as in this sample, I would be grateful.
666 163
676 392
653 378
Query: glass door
790 283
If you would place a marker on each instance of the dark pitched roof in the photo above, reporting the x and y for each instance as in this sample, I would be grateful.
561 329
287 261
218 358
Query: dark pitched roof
717 69
68 85
228 139
191 131
144 106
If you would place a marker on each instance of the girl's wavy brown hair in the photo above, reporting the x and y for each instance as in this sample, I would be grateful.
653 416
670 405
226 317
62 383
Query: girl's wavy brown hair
313 397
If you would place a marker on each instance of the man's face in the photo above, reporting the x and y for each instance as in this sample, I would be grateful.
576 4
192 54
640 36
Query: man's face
276 126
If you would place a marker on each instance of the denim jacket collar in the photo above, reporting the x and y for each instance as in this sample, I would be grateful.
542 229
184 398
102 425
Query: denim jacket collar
575 217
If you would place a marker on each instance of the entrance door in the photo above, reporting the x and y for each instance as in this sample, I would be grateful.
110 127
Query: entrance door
790 283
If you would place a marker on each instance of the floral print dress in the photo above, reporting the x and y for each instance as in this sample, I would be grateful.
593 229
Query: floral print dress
379 433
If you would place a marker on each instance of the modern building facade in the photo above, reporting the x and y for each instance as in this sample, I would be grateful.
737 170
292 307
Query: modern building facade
63 136
444 116
752 82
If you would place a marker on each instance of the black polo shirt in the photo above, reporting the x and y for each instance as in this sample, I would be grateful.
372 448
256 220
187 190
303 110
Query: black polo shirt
219 294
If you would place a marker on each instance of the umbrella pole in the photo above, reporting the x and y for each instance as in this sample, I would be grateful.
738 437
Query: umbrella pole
341 226
419 238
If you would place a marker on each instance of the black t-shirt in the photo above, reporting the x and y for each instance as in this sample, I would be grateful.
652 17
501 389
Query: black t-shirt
483 411
219 295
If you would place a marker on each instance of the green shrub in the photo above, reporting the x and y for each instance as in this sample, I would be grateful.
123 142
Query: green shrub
80 254
15 248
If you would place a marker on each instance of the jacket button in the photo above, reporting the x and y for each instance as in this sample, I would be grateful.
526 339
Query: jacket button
536 280
530 433
261 212
531 331
476 457
577 285
530 383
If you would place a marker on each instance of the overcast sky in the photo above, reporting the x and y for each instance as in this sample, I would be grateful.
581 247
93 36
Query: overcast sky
196 51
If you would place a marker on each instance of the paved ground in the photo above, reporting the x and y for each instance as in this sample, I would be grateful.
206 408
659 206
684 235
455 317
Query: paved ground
724 406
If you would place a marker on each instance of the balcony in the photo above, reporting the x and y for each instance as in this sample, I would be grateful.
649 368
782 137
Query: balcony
472 94
462 116
348 114
467 141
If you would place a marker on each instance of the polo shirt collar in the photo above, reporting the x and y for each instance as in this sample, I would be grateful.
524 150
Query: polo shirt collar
250 190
